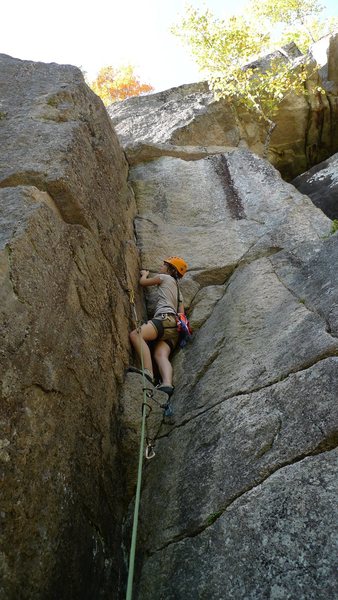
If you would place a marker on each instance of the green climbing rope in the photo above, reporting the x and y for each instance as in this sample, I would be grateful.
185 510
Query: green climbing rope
137 506
139 478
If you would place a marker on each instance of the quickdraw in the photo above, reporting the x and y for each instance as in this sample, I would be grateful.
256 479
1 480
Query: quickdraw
167 412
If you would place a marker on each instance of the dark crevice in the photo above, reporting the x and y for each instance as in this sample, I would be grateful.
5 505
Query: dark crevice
234 201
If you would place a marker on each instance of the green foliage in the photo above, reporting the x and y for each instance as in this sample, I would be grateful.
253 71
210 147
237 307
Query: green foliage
304 37
3 115
334 226
286 11
298 20
225 51
219 46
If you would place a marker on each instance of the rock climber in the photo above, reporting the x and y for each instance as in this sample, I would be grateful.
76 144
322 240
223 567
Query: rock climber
162 327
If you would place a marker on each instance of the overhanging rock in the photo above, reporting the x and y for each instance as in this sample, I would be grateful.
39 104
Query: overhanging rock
177 120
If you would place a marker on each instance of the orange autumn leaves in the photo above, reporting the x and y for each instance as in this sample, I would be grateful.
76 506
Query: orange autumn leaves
115 84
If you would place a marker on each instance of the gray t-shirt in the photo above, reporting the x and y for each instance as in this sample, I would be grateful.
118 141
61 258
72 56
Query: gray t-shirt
167 295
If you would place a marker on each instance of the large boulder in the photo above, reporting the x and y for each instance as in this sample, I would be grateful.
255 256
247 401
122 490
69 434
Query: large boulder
67 255
321 184
187 121
188 115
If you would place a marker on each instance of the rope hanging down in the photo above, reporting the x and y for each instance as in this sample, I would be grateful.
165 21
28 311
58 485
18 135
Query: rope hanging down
140 465
137 496
149 453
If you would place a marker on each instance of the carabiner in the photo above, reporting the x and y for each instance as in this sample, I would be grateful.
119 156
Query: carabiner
150 453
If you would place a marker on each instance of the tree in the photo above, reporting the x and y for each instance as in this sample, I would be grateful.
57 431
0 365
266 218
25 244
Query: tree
114 84
226 50
298 20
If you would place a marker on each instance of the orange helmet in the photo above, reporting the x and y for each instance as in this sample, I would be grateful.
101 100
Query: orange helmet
179 264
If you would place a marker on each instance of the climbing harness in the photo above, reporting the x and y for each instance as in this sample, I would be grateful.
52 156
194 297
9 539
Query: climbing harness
182 323
167 408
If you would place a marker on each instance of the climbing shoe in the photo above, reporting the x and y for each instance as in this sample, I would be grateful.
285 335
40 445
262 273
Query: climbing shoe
146 373
168 410
167 389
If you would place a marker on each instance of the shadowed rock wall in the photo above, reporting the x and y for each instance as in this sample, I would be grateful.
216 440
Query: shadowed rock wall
66 246
320 184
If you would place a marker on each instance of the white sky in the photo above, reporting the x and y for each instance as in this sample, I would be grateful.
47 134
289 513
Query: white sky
109 32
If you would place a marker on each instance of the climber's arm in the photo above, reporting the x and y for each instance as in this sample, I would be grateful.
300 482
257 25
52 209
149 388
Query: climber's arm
145 280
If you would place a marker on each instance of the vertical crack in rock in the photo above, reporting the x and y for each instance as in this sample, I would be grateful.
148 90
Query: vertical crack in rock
233 199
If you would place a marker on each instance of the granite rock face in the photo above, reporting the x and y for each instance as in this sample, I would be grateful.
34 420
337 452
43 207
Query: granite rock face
255 398
179 117
248 394
216 212
321 184
187 121
265 544
66 247
238 502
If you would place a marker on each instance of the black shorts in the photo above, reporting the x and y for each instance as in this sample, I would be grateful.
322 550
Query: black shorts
166 329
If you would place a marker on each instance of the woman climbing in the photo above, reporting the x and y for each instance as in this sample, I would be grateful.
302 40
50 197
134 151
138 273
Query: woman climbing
162 327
